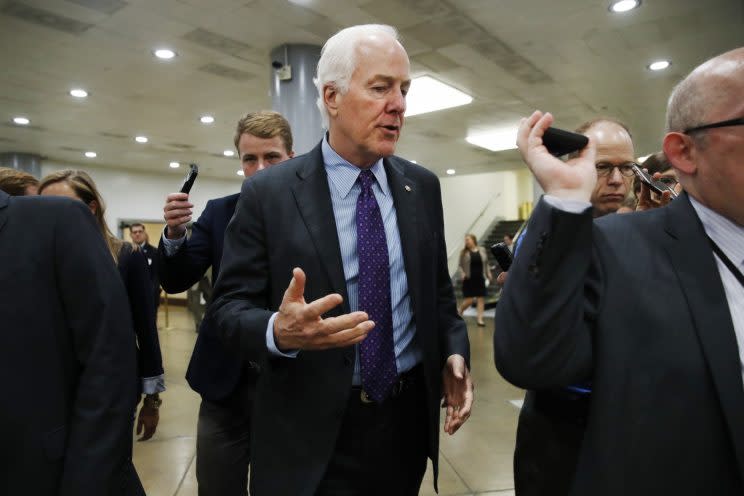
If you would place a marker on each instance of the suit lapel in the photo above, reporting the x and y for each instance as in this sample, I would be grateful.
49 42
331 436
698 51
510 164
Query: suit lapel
313 198
4 200
685 242
406 195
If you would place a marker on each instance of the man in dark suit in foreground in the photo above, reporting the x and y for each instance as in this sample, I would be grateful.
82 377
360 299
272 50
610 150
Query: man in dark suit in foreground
648 306
359 350
67 359
225 382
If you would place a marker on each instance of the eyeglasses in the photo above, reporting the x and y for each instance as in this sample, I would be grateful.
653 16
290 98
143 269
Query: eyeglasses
605 169
731 122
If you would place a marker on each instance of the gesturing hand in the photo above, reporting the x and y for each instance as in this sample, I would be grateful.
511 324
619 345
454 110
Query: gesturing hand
299 325
458 393
572 180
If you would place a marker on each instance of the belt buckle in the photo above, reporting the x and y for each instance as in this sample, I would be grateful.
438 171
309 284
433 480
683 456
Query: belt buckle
365 397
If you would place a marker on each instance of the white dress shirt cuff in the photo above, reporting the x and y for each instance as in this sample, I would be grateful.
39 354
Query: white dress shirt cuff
271 344
570 206
171 246
152 385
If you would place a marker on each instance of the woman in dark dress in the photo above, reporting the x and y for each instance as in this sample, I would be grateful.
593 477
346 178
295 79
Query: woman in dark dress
475 270
132 266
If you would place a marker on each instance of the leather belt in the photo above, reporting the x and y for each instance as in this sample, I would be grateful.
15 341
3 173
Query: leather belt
406 381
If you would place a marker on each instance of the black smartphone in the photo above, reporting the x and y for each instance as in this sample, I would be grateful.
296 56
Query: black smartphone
560 142
190 178
656 186
503 255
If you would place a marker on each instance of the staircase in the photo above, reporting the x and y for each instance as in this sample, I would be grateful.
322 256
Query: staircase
496 235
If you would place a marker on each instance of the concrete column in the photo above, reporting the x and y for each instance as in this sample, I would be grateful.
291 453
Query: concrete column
293 93
27 162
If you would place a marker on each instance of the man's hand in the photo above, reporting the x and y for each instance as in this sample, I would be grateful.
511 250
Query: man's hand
572 180
148 418
501 278
647 201
299 325
177 213
458 393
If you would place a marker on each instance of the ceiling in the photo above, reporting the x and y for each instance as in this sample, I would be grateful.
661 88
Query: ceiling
572 57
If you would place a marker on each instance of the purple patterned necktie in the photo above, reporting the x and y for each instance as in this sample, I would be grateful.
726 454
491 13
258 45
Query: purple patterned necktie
379 372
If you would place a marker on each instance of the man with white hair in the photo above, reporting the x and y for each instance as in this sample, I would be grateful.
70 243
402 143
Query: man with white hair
359 351
648 306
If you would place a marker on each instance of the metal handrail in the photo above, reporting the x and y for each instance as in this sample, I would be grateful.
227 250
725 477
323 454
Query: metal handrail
472 224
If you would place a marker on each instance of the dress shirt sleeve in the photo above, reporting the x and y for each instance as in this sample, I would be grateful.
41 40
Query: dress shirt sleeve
171 246
271 344
570 206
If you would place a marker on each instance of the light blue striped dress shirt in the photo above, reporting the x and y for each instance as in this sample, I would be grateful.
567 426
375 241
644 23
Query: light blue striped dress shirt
342 181
730 239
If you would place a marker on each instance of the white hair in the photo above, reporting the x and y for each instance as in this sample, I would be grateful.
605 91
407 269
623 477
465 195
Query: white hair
338 59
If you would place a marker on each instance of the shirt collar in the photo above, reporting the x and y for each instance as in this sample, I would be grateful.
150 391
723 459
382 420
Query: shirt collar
343 174
726 234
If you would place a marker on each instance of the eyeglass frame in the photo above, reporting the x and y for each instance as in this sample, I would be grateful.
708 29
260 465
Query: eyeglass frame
739 121
611 170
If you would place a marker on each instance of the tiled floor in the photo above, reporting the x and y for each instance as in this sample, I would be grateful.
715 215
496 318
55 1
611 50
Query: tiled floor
476 460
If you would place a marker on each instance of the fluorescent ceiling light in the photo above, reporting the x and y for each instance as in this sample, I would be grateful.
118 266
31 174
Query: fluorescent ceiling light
228 153
659 65
91 154
450 172
164 53
78 93
241 173
174 165
21 121
624 5
643 159
206 119
428 95
141 139
496 140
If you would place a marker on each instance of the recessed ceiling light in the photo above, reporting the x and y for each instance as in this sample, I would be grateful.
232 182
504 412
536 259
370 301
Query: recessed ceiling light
228 153
624 5
428 95
206 119
241 173
164 53
174 165
495 140
21 121
78 93
659 65
450 172
141 139
91 154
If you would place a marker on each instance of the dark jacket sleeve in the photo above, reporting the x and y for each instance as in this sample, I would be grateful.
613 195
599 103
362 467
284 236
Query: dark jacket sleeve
96 313
187 266
241 294
133 268
544 319
453 333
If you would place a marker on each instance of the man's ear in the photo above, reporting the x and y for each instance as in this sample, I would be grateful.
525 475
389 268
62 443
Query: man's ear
331 98
680 149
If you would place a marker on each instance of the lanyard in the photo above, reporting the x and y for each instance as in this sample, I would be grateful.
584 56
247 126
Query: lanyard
728 263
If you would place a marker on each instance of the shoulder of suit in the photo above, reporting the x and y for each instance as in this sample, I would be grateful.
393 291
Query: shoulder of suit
631 221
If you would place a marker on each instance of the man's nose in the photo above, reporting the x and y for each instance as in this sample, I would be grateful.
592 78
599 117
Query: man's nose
615 176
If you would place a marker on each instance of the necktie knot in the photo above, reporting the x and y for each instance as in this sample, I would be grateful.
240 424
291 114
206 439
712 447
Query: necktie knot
366 179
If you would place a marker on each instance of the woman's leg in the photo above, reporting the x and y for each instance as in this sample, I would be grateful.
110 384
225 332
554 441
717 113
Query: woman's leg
479 308
466 302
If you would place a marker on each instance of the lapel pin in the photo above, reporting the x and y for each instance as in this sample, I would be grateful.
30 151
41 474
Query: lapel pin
407 188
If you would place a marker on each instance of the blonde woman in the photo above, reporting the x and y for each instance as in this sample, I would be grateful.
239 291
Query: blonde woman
132 266
475 269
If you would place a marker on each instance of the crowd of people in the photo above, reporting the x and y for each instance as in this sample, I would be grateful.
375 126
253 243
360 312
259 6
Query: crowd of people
333 338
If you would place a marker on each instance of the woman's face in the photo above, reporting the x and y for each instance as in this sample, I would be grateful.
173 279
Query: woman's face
469 243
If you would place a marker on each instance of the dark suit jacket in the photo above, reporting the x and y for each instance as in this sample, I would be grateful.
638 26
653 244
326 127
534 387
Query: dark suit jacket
214 371
635 303
133 270
285 219
67 358
151 254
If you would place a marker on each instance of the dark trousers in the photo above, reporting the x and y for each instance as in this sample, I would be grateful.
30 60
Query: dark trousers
381 448
223 442
549 435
